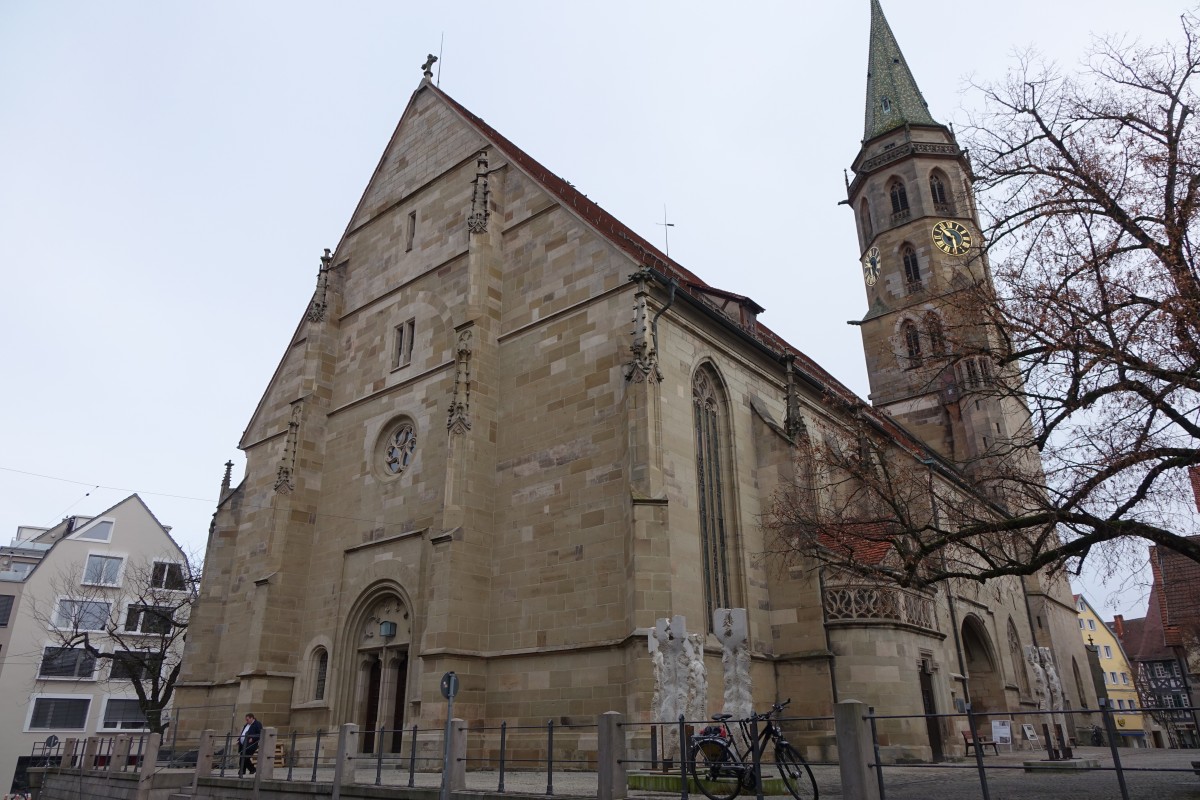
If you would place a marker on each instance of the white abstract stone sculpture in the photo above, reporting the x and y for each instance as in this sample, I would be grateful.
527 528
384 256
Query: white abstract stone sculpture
697 679
733 632
1034 658
670 652
1054 683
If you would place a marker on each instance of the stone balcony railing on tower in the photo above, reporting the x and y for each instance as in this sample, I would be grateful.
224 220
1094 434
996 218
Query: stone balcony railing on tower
858 603
903 215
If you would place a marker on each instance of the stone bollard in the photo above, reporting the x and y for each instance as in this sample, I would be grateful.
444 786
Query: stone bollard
612 779
343 768
856 752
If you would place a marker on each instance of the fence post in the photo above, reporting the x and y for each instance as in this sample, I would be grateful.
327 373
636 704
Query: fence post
611 780
149 766
69 748
456 779
975 737
266 755
120 753
90 747
854 750
1111 730
204 759
343 768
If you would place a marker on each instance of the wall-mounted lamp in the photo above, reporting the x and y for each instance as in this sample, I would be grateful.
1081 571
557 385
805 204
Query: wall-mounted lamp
387 629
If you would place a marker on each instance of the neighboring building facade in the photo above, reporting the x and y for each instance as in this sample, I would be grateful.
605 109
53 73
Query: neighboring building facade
81 576
509 435
1117 673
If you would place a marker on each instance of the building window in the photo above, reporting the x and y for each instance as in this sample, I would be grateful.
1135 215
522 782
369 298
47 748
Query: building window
6 604
135 665
102 570
708 415
1120 703
937 190
912 343
1132 706
121 714
1107 651
1113 675
96 532
885 104
149 619
82 615
937 342
1018 660
864 216
168 575
402 353
59 713
398 454
899 197
1160 671
1080 624
912 268
1091 624
1125 678
322 672
410 235
67 662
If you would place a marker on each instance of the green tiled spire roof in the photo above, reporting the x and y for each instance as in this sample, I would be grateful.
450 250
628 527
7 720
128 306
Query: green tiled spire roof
893 98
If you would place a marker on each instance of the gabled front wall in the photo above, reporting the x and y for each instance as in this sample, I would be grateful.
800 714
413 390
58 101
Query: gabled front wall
137 538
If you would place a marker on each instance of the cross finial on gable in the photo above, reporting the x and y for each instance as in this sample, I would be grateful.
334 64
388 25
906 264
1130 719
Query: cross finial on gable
430 60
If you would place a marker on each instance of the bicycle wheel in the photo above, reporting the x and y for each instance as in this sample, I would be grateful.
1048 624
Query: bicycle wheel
795 773
716 769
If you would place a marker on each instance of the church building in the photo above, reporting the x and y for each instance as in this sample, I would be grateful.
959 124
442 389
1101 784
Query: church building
509 434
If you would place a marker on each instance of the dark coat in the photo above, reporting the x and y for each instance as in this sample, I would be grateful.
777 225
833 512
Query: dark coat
252 735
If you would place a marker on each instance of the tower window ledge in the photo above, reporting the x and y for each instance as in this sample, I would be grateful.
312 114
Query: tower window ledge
912 287
943 209
902 216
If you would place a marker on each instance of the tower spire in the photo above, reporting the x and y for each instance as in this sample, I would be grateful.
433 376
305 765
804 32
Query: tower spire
893 98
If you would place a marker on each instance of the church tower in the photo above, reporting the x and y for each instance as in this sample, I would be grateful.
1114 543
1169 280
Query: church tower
919 243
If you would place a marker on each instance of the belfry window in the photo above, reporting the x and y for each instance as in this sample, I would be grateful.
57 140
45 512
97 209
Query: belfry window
937 339
912 268
864 215
937 189
715 536
899 197
912 343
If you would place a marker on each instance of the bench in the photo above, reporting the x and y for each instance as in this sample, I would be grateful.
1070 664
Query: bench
972 740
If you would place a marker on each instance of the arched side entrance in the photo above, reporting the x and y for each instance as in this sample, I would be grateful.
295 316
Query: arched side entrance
379 633
983 667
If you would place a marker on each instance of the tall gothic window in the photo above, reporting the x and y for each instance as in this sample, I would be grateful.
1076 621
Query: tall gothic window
715 535
1018 659
937 338
899 197
912 343
864 214
912 268
937 189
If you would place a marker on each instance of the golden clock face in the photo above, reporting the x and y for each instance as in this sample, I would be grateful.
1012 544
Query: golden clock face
952 238
871 266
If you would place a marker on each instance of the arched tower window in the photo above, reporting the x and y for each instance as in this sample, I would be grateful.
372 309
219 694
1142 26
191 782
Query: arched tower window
937 191
899 197
864 216
912 342
716 537
320 672
937 338
1016 653
912 268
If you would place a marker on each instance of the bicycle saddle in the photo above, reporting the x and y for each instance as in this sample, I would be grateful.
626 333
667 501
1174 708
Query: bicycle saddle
722 717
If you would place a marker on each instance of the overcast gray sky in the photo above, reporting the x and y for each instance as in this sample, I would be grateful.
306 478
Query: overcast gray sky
170 172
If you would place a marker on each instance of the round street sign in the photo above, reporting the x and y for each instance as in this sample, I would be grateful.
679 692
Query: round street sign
449 685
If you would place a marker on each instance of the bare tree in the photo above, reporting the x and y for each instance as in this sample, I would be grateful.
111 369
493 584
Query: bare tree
130 633
1088 315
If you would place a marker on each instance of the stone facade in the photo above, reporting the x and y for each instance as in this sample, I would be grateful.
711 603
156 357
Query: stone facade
508 435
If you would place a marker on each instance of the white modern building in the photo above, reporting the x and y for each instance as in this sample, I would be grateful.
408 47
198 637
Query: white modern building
117 578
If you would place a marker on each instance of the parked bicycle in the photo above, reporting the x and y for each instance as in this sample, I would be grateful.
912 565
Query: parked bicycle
722 768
